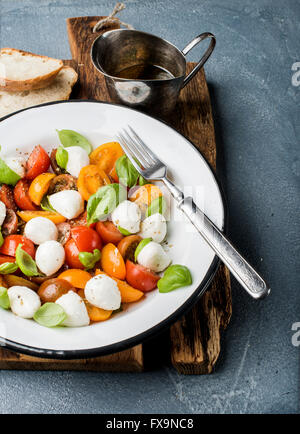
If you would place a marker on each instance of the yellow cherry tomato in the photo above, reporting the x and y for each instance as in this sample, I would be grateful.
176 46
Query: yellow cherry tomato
77 278
105 157
91 178
144 195
39 187
95 313
53 216
112 262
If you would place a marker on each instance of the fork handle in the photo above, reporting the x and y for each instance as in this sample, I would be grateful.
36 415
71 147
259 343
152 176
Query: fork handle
238 266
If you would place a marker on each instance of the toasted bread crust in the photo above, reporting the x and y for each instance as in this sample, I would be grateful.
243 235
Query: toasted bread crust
59 89
28 84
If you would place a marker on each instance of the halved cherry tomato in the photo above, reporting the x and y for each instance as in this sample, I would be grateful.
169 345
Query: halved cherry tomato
128 293
81 293
38 162
128 245
95 313
2 281
52 289
72 252
10 224
4 259
91 178
55 167
86 238
11 243
108 232
62 182
141 277
53 216
77 278
7 197
22 197
105 157
13 280
112 262
83 239
144 195
39 187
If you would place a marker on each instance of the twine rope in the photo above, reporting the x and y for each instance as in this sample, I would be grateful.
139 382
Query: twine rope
112 19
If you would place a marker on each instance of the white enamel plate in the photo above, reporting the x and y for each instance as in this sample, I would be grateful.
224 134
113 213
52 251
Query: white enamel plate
99 122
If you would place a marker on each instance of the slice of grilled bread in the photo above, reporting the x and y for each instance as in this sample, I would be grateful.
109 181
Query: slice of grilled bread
20 70
59 89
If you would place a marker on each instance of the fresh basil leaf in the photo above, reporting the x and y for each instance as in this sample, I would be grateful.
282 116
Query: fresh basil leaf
71 138
124 231
88 259
7 176
62 157
4 300
104 201
50 315
140 246
127 173
158 205
1 238
142 181
174 277
45 205
25 262
8 268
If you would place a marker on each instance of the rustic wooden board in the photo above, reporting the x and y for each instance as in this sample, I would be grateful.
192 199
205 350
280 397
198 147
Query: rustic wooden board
195 339
126 361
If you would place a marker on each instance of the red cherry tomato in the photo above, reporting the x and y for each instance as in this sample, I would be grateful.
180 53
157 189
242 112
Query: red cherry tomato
38 162
21 196
141 277
86 239
4 259
108 232
7 197
72 252
11 243
10 224
83 239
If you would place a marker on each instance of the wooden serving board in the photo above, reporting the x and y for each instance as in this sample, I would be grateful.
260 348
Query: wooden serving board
194 340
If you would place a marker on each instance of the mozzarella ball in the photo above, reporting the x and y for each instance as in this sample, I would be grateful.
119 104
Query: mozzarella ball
77 159
127 215
40 229
103 292
16 164
49 257
75 309
24 302
154 257
68 203
154 227
2 212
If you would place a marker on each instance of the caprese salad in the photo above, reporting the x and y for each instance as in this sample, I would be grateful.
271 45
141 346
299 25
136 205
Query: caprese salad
81 234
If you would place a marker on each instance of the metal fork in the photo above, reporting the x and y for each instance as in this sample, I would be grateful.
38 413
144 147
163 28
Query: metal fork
151 168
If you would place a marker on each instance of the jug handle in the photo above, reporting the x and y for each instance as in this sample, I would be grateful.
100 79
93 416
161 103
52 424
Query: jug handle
205 56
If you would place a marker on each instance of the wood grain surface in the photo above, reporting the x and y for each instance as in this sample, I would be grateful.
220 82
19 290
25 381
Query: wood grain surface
194 339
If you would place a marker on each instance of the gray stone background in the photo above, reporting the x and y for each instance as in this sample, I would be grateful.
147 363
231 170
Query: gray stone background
256 110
